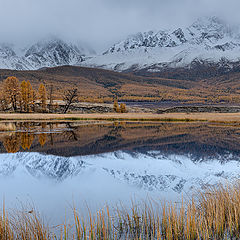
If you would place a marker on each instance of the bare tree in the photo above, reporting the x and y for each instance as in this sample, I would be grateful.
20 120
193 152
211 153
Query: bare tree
70 96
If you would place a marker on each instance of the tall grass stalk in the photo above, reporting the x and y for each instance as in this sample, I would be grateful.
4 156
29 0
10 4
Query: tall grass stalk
211 214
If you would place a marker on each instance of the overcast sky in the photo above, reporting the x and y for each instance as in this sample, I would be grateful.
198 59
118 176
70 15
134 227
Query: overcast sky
102 22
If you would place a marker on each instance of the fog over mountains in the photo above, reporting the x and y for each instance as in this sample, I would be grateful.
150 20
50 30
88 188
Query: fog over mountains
208 39
49 52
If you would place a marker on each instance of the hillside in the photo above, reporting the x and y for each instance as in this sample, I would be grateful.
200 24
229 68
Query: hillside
102 84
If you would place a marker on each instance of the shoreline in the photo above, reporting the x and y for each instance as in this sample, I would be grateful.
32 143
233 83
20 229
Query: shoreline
165 117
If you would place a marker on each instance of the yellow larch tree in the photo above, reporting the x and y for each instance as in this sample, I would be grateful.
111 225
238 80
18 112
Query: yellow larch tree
42 94
12 143
123 108
26 140
42 138
12 91
116 106
26 96
30 97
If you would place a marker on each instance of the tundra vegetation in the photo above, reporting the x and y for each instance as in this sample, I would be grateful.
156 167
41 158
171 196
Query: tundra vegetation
211 214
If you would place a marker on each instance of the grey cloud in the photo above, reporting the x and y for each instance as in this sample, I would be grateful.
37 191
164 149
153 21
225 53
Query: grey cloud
102 22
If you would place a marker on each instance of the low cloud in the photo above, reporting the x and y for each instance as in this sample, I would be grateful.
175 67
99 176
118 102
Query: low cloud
102 22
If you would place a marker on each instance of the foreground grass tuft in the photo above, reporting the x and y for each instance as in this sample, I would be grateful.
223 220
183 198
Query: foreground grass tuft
211 214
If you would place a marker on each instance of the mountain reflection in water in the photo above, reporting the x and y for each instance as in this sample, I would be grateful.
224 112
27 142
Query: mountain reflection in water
95 162
200 140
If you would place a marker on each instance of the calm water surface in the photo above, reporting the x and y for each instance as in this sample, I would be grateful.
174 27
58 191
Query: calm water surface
55 165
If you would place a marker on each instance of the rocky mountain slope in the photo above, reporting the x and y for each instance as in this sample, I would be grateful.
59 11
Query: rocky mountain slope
207 48
48 52
207 41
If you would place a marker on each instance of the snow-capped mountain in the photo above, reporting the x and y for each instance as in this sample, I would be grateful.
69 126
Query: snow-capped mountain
207 39
49 52
53 53
151 171
10 60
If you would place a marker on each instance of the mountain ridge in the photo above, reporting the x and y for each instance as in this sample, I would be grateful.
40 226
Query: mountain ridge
207 39
47 52
208 48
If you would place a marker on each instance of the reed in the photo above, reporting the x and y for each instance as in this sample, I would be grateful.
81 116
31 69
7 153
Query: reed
24 225
6 231
211 214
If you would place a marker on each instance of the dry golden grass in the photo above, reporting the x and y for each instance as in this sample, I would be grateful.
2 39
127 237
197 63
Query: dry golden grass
211 214
23 225
212 117
6 231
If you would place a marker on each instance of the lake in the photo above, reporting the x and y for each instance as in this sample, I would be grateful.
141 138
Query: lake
57 165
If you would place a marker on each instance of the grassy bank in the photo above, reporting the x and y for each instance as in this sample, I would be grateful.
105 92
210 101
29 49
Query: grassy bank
184 117
212 214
